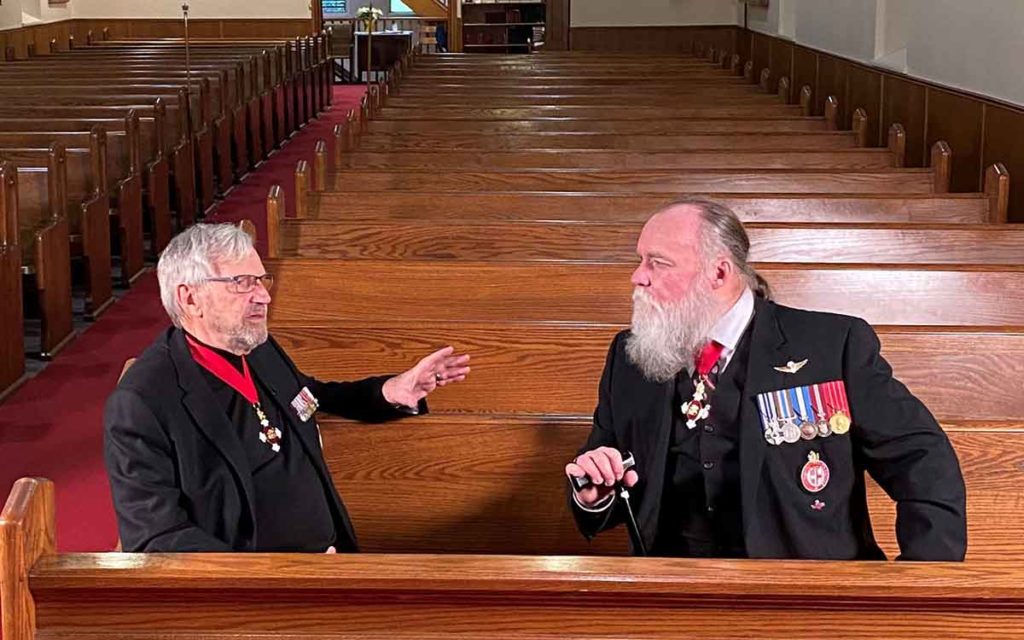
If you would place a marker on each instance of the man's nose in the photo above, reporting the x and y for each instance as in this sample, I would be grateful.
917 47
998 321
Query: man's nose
260 294
640 277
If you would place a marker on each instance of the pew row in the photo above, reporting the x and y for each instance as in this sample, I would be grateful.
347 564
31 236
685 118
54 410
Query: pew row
178 596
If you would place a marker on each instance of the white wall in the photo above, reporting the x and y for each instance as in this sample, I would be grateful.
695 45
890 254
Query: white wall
10 15
636 13
198 8
974 45
20 13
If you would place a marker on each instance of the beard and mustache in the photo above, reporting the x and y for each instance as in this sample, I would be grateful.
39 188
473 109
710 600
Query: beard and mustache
665 338
246 334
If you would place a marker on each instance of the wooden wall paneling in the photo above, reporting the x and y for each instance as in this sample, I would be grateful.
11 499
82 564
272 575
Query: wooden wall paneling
833 77
905 104
781 56
1004 142
761 52
805 73
866 93
660 40
957 120
557 29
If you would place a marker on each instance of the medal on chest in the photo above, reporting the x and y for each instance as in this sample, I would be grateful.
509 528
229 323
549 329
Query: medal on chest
815 474
698 408
269 434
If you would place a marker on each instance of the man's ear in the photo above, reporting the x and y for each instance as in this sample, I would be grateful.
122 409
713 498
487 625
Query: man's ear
188 301
724 271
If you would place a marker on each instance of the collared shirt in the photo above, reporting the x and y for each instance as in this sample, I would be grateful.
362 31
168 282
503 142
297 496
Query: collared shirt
729 329
728 332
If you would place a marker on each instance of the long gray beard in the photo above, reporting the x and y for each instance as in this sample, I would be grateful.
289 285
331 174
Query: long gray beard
666 338
247 337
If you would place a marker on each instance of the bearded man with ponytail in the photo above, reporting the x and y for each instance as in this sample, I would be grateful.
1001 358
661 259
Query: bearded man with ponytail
753 425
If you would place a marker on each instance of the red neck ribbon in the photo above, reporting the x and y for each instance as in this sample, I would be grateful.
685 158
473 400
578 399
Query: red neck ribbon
219 366
708 357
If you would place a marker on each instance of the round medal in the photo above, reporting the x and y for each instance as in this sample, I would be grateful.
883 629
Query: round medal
808 431
840 423
815 474
824 430
790 433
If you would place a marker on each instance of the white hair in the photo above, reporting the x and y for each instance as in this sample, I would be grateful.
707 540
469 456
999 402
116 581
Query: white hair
191 256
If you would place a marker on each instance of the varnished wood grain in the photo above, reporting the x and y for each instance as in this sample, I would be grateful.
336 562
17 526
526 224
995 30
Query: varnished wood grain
624 127
12 355
957 120
620 207
496 485
725 181
598 159
496 241
434 596
560 98
813 141
312 291
410 110
542 369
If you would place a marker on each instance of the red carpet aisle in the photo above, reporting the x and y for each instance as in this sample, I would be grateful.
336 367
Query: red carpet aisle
52 427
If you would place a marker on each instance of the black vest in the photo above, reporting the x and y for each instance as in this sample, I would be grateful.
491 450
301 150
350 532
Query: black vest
701 512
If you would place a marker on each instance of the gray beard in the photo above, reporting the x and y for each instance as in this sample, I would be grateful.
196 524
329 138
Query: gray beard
666 338
246 338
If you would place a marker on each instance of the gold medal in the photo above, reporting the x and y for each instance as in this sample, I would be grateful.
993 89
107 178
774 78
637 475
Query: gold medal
839 422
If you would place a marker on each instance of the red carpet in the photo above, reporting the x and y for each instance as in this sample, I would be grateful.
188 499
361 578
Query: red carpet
53 426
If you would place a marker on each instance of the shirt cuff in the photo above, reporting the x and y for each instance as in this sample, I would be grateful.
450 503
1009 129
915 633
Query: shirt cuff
600 507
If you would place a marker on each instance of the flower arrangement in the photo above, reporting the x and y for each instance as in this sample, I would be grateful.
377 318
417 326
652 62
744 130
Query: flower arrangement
369 15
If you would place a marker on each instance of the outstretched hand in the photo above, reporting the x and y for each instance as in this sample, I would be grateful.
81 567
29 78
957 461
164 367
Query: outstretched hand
439 369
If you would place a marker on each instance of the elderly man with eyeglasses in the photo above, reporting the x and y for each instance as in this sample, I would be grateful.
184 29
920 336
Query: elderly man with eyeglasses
211 441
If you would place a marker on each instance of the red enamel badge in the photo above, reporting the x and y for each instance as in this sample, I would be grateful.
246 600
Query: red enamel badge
815 474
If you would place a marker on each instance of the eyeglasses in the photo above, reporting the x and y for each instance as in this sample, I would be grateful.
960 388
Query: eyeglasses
245 283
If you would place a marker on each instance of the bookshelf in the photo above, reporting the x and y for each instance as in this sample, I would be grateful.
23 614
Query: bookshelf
502 26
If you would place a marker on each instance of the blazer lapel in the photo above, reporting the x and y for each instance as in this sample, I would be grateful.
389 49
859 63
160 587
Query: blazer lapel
208 418
767 350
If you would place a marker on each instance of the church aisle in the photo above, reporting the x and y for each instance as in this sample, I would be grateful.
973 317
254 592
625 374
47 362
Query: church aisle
52 426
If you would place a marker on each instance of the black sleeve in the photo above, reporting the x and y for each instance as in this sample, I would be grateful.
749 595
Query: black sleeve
362 400
140 464
906 452
601 435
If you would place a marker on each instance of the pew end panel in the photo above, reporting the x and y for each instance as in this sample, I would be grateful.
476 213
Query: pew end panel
158 203
12 350
27 533
275 214
898 145
806 101
52 267
321 163
997 189
302 189
832 113
130 227
941 165
860 126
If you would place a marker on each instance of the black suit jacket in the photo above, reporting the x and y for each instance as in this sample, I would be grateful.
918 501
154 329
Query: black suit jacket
894 438
179 476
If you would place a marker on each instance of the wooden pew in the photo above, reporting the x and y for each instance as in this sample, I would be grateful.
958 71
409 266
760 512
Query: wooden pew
314 291
87 208
662 126
638 206
398 109
792 243
44 237
201 137
12 348
494 484
177 596
725 181
173 137
139 138
226 133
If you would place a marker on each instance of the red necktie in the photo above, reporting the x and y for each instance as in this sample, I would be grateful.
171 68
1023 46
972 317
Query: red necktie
708 357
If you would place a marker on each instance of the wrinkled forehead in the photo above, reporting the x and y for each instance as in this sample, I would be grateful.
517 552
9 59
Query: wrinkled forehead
249 265
674 231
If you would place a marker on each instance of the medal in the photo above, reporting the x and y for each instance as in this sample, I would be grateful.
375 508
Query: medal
305 404
270 436
698 408
815 474
769 423
835 397
791 433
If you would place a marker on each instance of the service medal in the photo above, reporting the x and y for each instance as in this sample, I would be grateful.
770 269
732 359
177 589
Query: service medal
840 423
815 474
790 433
808 431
